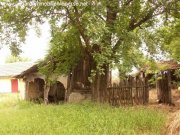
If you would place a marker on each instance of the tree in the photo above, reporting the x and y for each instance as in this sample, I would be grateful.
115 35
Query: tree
12 59
102 33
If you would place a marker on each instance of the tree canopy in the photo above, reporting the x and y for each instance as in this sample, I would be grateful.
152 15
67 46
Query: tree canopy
111 32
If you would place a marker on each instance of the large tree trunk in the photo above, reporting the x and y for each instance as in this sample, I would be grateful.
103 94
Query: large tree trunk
100 84
80 75
101 81
82 71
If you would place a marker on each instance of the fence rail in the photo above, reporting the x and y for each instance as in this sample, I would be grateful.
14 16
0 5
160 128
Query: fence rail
132 91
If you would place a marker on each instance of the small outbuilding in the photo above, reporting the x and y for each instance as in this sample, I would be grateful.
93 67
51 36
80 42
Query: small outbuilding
35 86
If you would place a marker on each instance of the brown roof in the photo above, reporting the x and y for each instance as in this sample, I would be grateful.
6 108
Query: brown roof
32 69
165 65
161 66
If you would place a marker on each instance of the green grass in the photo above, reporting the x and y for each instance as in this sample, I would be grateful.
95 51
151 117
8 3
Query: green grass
8 100
26 118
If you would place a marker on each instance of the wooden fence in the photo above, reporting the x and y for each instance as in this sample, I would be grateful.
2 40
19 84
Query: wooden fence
130 91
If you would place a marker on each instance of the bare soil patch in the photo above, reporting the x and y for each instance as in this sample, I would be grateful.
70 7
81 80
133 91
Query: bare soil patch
153 102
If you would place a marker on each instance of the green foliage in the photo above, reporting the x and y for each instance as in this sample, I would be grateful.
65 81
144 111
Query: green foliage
170 39
12 59
84 119
177 73
113 33
64 53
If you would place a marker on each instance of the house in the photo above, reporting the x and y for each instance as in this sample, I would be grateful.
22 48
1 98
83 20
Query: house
24 78
8 82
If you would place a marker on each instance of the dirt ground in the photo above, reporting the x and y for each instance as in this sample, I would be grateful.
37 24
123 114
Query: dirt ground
172 127
153 102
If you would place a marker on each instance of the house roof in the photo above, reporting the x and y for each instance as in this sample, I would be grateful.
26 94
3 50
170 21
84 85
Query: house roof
162 66
14 69
171 64
159 66
32 69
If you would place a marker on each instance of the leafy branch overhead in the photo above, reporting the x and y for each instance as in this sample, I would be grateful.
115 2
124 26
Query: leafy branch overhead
111 32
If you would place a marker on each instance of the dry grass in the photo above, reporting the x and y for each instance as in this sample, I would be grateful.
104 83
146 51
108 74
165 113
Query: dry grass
153 96
173 126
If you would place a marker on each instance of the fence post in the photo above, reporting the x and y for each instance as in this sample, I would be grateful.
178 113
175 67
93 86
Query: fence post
164 88
146 101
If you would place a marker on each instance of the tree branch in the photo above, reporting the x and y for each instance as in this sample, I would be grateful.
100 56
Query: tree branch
133 24
98 15
79 26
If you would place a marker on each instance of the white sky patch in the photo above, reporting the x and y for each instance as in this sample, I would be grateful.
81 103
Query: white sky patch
34 47
4 52
115 74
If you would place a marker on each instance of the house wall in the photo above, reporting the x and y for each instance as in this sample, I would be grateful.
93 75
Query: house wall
5 85
36 90
33 91
34 87
22 88
63 80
